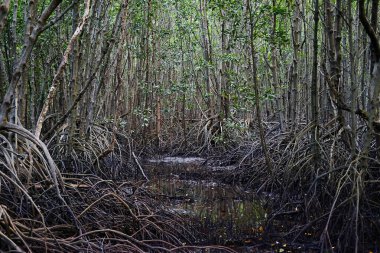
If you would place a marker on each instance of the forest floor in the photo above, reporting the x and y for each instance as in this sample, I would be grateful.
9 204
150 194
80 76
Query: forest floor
119 198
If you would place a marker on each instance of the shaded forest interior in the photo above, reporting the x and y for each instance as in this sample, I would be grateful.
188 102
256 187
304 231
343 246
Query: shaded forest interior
286 91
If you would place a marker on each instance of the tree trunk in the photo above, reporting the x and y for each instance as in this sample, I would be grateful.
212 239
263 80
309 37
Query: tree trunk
353 78
314 91
274 67
257 92
294 82
374 103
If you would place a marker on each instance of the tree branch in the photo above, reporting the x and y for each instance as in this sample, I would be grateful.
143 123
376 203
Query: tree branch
57 19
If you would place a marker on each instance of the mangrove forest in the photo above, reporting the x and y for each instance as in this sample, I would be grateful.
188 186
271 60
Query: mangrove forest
189 126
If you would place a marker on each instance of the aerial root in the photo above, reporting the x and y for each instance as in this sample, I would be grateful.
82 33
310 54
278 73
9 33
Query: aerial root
336 202
105 215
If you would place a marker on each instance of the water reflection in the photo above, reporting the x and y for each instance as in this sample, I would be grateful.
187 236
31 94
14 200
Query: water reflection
220 212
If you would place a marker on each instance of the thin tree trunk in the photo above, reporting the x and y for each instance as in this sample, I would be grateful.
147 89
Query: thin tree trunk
353 78
257 92
274 67
314 90
206 54
73 84
296 31
374 102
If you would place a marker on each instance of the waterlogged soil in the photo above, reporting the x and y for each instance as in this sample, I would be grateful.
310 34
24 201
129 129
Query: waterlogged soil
222 214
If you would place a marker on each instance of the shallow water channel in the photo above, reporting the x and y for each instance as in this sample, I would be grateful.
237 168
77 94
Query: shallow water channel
223 214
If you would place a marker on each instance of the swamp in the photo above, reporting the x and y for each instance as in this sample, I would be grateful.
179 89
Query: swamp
189 126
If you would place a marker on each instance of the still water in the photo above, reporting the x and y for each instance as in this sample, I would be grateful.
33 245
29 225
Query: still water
221 213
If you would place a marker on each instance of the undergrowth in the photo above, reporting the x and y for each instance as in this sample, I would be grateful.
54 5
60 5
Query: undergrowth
334 205
92 201
89 203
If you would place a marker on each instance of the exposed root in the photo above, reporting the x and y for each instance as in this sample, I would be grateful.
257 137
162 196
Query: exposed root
336 204
97 213
113 217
